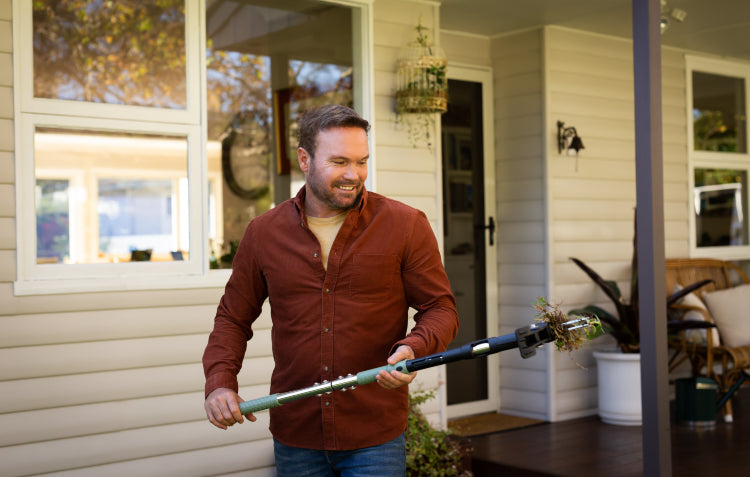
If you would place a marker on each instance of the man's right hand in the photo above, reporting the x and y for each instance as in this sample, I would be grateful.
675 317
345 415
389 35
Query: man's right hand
223 408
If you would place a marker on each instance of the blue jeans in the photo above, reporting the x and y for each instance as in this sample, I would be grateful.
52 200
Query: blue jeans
384 460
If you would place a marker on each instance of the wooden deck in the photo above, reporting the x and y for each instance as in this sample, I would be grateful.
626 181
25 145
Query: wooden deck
589 447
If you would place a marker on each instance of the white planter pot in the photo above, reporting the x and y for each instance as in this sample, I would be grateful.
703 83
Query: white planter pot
619 377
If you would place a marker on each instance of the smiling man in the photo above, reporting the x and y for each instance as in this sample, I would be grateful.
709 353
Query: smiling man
341 267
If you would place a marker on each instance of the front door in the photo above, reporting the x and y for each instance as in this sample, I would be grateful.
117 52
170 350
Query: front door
470 235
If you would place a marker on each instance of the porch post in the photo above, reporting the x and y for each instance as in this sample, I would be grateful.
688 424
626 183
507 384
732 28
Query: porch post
657 460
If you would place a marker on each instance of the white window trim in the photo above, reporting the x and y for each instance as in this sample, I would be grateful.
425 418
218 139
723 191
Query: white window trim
363 72
95 273
30 112
714 160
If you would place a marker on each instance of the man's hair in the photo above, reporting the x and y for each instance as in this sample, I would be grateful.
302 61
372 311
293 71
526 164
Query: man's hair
326 117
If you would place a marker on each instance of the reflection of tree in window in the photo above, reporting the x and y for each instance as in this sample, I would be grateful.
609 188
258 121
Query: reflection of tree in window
719 120
258 54
239 110
121 52
316 84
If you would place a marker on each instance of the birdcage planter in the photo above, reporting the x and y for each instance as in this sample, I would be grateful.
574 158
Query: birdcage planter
421 101
422 86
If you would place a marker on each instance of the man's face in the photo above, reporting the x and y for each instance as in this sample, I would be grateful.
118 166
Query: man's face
336 175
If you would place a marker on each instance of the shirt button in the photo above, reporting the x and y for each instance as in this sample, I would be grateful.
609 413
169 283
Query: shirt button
325 368
315 254
328 290
325 329
328 403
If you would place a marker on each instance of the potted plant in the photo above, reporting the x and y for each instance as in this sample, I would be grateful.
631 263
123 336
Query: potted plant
619 372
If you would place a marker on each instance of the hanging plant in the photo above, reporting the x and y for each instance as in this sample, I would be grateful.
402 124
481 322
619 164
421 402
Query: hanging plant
422 86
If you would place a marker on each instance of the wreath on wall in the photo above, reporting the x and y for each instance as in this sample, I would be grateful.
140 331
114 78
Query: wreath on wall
234 145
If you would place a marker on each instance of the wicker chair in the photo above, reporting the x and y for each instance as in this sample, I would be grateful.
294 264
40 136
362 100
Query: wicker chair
721 363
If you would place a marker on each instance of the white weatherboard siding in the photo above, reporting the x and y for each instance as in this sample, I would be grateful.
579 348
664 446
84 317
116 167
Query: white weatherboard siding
552 207
111 383
592 198
404 172
519 128
591 217
465 48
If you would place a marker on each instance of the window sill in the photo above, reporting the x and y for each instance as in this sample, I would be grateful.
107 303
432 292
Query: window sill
58 286
730 253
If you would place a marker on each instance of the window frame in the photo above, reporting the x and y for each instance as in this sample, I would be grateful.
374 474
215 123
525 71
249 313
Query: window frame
94 276
30 112
713 159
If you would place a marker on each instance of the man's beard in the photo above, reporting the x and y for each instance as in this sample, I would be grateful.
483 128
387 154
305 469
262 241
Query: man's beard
327 194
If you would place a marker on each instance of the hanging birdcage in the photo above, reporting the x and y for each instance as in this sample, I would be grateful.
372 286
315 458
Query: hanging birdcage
421 83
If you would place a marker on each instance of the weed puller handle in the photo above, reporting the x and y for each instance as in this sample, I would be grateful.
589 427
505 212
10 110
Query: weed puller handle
526 339
349 382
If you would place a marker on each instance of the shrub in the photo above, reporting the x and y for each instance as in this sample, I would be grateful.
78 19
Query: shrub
432 452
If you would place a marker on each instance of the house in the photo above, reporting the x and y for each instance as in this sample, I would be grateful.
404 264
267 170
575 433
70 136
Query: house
117 215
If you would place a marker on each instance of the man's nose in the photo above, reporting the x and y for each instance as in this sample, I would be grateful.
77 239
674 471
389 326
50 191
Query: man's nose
351 171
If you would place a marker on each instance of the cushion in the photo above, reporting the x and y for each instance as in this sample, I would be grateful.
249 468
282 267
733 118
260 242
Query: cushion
697 336
729 308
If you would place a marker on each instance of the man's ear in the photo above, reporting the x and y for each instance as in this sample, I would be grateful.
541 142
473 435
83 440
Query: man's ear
303 158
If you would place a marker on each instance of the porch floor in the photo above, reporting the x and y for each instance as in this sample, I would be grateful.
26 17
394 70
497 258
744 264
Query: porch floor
589 447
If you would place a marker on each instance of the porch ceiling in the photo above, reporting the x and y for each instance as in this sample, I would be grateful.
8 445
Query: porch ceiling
720 27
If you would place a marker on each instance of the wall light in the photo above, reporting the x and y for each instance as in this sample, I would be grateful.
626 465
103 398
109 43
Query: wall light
567 138
668 14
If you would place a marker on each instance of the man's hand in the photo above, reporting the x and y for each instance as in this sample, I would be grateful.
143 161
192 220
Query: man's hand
223 408
396 379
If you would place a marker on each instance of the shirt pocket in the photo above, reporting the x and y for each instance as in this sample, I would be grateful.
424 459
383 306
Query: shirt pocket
374 276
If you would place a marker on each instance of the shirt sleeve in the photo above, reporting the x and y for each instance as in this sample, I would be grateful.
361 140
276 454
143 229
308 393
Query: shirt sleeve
428 291
238 308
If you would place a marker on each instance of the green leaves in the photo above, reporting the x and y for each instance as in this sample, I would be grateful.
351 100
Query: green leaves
430 452
123 52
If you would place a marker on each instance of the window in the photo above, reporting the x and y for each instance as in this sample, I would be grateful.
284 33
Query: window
718 198
719 117
719 158
125 52
143 153
52 220
258 81
112 193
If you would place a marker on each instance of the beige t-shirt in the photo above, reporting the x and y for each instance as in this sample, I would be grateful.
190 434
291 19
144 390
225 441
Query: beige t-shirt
326 229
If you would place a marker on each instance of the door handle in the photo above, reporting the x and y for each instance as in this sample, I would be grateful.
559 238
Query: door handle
491 227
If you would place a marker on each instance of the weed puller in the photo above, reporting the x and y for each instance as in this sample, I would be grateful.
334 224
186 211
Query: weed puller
567 334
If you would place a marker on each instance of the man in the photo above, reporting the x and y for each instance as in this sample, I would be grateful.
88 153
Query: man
340 267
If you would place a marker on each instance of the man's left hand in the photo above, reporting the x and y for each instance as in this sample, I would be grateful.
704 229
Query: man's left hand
396 379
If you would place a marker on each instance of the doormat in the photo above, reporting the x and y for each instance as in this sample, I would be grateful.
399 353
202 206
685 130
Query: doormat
489 423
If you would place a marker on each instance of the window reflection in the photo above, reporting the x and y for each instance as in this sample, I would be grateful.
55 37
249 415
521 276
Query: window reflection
123 52
719 116
265 65
103 196
52 220
135 215
719 197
